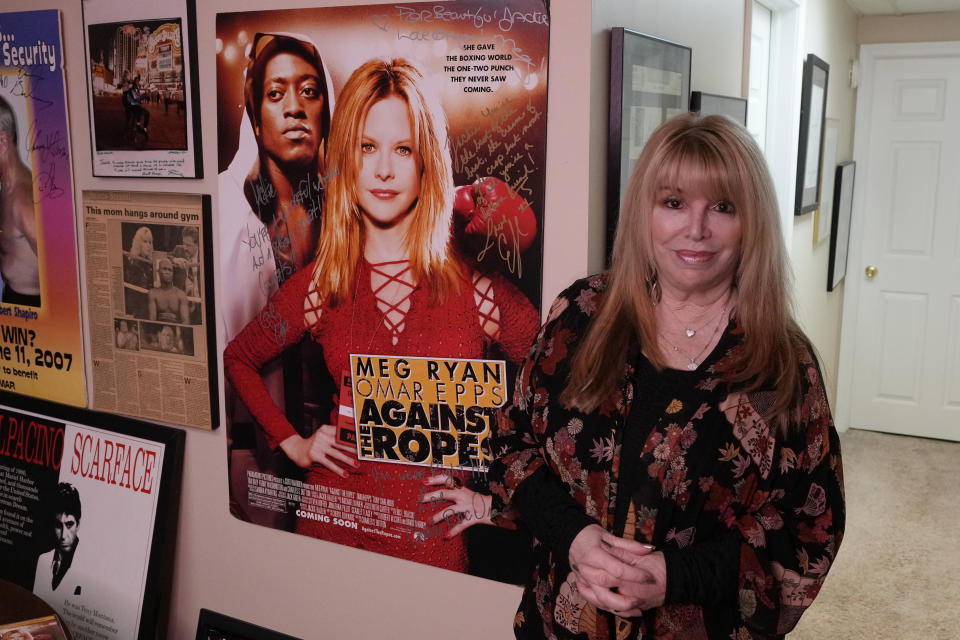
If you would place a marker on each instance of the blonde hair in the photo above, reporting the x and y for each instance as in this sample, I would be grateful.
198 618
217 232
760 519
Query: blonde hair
714 155
139 242
428 239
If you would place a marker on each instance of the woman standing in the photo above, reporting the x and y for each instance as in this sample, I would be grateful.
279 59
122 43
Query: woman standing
669 442
386 281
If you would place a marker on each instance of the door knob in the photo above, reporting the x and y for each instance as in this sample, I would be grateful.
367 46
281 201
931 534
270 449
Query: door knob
871 271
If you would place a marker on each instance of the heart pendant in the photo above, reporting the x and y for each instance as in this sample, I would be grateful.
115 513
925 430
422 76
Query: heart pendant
691 333
692 366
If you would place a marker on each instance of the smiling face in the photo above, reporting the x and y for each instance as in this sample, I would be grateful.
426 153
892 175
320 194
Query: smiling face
290 112
389 180
696 241
65 527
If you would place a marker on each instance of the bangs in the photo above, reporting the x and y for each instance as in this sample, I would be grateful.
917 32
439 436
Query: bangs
693 164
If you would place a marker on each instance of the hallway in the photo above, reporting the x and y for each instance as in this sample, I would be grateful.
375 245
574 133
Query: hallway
896 573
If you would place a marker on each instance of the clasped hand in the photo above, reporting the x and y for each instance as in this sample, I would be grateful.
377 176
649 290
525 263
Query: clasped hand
622 576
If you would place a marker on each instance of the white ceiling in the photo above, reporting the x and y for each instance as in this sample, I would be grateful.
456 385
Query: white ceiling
900 7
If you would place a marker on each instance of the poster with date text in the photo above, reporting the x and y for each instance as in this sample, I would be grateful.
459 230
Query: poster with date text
41 345
486 64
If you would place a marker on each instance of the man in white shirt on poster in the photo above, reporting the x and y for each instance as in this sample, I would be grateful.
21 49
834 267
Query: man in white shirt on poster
54 576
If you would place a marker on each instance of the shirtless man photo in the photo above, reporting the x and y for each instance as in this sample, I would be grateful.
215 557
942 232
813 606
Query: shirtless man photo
168 303
18 234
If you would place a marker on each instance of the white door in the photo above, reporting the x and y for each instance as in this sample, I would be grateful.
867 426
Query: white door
904 321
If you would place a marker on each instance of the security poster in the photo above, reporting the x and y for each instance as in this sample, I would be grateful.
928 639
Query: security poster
41 346
381 192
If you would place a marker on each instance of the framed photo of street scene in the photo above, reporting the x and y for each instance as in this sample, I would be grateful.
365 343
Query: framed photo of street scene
91 515
649 84
813 109
141 88
216 626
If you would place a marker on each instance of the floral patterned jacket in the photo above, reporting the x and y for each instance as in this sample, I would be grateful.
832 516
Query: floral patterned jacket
717 481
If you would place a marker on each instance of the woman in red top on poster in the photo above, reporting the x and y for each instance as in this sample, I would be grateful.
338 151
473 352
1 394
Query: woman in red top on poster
386 281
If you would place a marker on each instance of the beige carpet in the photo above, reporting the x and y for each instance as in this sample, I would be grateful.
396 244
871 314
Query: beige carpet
897 574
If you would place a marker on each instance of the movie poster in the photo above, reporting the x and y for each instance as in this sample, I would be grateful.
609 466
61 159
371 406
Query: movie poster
150 325
141 84
41 347
78 507
366 365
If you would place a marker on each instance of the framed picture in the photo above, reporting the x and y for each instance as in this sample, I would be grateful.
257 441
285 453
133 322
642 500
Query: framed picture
842 210
46 627
813 107
39 285
216 626
153 337
649 83
823 216
141 88
114 485
707 104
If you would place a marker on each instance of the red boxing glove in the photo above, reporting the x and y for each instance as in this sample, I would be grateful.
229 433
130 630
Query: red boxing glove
490 213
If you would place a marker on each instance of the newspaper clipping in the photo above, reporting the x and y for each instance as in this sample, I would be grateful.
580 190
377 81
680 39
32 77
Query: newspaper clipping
146 302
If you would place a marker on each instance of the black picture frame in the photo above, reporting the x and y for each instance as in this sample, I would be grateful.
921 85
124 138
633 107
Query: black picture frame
217 626
707 104
130 304
156 573
813 112
167 142
842 212
649 83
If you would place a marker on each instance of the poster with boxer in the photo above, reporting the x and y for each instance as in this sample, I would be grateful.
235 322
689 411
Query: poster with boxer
380 202
41 343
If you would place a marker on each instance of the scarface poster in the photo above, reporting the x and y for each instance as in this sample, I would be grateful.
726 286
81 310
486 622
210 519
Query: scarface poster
381 217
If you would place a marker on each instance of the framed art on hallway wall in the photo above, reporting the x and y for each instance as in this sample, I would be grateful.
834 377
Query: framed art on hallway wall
142 88
217 626
842 212
149 310
41 342
649 83
813 107
89 518
711 103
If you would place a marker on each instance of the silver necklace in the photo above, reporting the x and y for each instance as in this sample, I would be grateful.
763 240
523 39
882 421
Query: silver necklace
695 361
687 330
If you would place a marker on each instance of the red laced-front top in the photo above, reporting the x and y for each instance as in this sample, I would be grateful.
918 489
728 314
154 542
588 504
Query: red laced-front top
388 315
